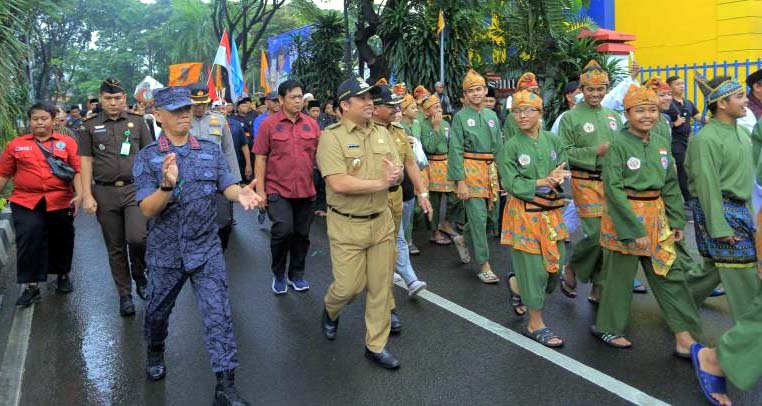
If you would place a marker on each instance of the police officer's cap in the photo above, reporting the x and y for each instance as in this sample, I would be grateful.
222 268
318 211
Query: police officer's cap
172 98
111 85
386 96
244 100
272 96
313 103
199 94
354 87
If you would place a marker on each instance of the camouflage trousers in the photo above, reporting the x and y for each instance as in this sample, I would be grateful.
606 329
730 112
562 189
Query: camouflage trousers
210 286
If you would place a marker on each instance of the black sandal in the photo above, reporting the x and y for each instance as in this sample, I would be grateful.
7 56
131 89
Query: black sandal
609 338
544 336
567 289
516 302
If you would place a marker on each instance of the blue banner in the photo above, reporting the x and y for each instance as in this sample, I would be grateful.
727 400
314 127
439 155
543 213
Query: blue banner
281 53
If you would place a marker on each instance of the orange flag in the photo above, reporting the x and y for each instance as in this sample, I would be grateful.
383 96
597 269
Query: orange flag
264 72
184 74
440 22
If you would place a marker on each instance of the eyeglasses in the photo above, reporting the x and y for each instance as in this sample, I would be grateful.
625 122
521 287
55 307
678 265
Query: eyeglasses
526 111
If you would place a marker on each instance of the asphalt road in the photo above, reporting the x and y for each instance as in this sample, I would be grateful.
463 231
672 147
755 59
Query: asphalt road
81 352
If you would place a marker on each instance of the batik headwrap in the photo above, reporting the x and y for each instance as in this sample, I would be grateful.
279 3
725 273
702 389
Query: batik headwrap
399 89
430 102
526 81
407 101
473 79
382 82
715 94
593 75
638 96
420 93
527 98
658 85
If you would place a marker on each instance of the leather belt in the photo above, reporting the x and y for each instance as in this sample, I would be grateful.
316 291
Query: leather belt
583 174
118 183
644 195
353 216
437 157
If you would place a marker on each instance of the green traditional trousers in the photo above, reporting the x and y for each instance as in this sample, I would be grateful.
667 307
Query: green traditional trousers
535 282
741 285
740 348
476 228
587 258
454 215
671 292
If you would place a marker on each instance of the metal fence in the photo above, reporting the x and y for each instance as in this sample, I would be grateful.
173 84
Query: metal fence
736 69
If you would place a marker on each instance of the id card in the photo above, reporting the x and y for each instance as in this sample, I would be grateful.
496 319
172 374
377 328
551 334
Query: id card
125 151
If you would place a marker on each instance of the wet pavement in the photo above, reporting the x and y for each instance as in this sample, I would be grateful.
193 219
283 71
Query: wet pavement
81 352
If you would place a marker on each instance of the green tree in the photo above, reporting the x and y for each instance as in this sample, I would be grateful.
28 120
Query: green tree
13 53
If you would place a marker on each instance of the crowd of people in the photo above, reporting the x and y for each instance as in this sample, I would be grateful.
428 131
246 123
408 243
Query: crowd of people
621 167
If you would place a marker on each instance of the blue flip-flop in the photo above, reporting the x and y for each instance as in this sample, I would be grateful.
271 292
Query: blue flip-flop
709 383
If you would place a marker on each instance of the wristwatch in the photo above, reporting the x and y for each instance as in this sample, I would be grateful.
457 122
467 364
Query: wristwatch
165 188
424 194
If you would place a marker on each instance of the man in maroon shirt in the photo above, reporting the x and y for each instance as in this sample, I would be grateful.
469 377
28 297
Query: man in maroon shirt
285 149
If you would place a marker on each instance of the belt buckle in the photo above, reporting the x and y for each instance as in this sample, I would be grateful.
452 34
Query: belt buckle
119 183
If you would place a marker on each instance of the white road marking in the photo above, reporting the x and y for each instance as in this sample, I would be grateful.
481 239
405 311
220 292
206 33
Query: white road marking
590 374
14 358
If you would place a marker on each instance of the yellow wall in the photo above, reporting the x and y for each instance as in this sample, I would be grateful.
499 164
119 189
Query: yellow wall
692 31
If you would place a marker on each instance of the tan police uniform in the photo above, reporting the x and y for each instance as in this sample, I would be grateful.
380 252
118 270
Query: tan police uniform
405 151
113 144
360 226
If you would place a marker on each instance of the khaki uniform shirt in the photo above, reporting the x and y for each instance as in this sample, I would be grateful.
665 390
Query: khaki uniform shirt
346 148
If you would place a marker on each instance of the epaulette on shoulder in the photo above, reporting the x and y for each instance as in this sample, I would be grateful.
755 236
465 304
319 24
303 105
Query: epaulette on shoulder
398 125
89 118
333 126
132 113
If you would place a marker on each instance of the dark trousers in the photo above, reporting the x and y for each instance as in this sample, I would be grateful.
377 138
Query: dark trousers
210 285
44 242
124 232
290 234
320 203
678 151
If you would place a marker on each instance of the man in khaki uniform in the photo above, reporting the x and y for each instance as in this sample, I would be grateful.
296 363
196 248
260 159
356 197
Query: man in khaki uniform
108 144
360 165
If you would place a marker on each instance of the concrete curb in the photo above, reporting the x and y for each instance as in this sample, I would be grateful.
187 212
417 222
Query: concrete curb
7 239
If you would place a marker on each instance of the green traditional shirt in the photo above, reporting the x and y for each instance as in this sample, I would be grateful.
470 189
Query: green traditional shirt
414 129
662 128
523 159
510 128
583 129
471 131
632 163
719 163
435 141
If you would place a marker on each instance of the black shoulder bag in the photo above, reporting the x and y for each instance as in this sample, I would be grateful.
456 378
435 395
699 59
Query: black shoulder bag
60 169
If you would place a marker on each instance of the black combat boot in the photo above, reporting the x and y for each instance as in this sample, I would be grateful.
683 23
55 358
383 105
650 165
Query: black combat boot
225 393
156 369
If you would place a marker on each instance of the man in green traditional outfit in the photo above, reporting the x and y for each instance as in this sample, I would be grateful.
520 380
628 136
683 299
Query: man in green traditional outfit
474 139
720 169
586 131
642 221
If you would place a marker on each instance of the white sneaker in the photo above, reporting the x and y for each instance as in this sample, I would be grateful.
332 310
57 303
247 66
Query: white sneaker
397 277
415 288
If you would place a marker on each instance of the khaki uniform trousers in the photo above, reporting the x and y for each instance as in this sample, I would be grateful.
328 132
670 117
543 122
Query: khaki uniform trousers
362 256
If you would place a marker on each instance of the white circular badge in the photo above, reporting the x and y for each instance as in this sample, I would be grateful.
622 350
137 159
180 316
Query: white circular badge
633 163
471 122
491 123
524 159
588 127
613 125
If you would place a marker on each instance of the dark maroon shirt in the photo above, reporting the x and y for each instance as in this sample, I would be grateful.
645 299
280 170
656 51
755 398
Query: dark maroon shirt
290 149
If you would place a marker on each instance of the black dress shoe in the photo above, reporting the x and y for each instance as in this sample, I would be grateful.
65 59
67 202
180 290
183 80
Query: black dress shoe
63 284
156 369
29 296
329 326
225 393
384 359
126 307
141 288
396 324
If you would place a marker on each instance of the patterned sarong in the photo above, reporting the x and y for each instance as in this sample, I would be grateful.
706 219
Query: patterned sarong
436 174
535 229
481 176
743 253
587 191
648 208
